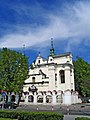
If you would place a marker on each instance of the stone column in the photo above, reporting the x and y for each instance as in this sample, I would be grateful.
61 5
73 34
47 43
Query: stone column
51 72
62 98
26 98
17 98
53 98
76 97
35 98
9 97
72 81
67 78
73 97
44 98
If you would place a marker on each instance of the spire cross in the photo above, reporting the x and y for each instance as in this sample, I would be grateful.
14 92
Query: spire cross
51 42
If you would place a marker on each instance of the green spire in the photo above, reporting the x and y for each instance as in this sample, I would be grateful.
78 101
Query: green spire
51 49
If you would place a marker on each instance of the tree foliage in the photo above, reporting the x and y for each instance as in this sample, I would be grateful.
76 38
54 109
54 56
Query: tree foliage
13 70
82 76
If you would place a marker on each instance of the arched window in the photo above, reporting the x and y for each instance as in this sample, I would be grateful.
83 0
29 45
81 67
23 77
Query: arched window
62 76
33 79
39 61
55 78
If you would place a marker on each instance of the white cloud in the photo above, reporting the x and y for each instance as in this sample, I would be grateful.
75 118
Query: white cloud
73 25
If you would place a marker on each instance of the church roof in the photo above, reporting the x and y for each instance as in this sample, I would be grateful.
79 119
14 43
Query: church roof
61 55
39 56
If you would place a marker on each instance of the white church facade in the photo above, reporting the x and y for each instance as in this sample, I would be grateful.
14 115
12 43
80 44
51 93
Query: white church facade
51 80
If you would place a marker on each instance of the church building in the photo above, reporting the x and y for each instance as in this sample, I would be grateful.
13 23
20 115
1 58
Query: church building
51 80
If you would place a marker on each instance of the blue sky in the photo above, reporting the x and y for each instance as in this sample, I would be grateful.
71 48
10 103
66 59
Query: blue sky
35 22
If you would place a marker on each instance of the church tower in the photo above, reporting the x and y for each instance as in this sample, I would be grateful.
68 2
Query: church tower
51 49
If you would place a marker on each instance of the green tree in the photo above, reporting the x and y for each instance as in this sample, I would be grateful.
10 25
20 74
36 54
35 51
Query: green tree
82 76
13 70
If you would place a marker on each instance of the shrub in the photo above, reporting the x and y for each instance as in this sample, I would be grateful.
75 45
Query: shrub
23 115
82 118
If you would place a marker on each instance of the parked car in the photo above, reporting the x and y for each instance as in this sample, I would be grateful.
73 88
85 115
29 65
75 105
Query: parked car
10 105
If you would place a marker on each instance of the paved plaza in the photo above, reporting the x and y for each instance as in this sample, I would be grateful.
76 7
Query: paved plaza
70 112
77 109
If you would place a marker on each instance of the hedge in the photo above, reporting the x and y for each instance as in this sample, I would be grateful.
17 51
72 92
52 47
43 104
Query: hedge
7 119
82 118
23 115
